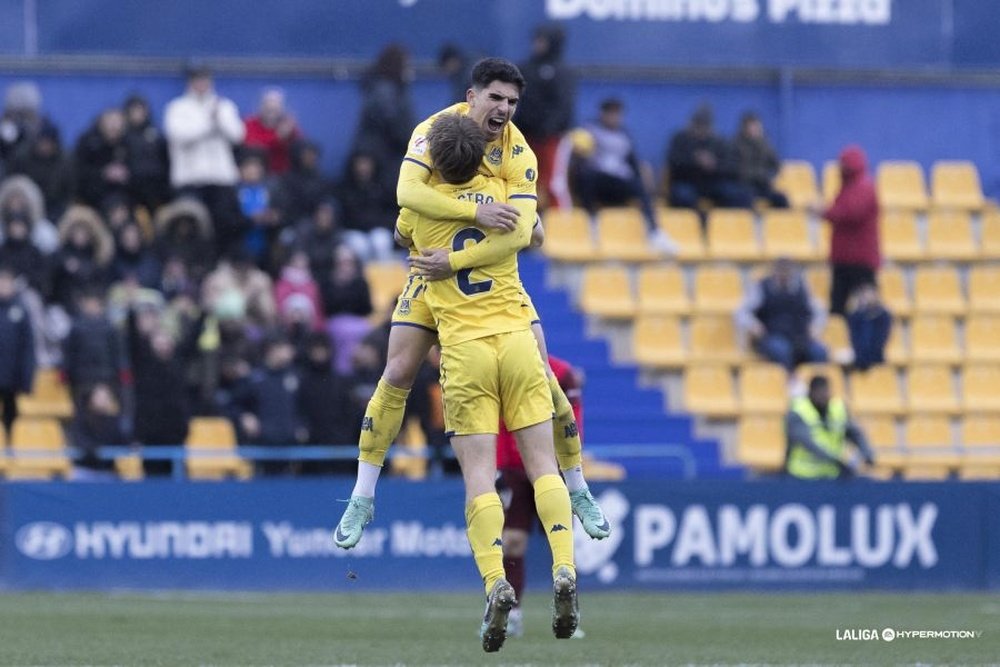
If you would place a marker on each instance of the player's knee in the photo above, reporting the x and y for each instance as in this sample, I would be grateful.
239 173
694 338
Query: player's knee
515 543
401 371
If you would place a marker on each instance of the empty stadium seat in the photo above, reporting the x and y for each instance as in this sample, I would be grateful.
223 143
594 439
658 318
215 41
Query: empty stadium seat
930 389
717 289
385 282
956 185
662 290
989 244
900 185
837 339
606 292
38 450
984 288
971 470
900 236
920 471
982 338
786 234
979 388
684 227
896 350
881 432
797 180
713 338
933 339
949 236
876 391
568 237
621 235
211 450
929 436
981 431
831 180
657 342
708 390
49 397
894 291
731 235
762 388
818 279
760 442
937 290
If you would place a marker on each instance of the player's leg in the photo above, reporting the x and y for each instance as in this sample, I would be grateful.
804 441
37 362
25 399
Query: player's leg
519 516
568 448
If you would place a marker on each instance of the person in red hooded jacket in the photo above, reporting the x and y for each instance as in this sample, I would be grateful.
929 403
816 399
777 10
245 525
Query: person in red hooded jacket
854 244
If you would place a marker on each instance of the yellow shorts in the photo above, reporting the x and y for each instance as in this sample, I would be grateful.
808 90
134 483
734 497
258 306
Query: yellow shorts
488 378
411 309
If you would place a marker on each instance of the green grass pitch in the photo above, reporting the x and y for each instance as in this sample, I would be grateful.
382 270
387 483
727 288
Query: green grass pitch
434 629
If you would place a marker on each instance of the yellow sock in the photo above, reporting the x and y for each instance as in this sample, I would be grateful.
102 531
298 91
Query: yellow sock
383 417
484 518
565 434
552 505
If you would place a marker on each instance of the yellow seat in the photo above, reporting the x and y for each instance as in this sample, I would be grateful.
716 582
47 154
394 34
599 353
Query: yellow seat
984 288
49 397
823 243
837 340
385 282
762 389
971 470
831 180
129 468
713 338
896 352
881 433
981 431
731 235
930 389
931 441
832 372
894 291
607 292
662 290
818 280
949 236
684 227
708 390
786 234
38 450
211 450
657 342
982 338
956 185
621 235
760 442
718 289
933 339
919 471
900 185
876 391
979 388
938 291
989 244
900 236
602 471
568 235
797 180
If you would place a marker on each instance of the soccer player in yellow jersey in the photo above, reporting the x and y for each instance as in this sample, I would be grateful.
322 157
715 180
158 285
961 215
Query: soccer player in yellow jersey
496 87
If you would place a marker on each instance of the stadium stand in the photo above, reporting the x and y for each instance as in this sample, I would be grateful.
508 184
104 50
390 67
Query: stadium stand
38 450
732 236
901 185
621 235
211 445
797 179
684 227
956 185
663 290
607 292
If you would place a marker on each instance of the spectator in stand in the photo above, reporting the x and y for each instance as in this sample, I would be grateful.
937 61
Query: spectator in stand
702 165
238 282
102 160
93 352
369 209
386 114
21 255
134 258
816 427
303 186
456 66
262 217
98 422
326 405
782 318
43 161
758 162
21 198
870 324
318 236
202 128
148 158
84 258
184 232
347 303
17 346
22 120
296 288
612 176
545 111
273 130
854 243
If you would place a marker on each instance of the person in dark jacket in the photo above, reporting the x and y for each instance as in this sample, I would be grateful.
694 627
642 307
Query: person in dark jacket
758 162
46 164
93 352
184 233
326 405
854 244
21 255
17 346
545 111
703 165
456 66
869 324
369 209
134 258
97 423
782 319
320 235
102 160
303 187
85 255
148 159
22 119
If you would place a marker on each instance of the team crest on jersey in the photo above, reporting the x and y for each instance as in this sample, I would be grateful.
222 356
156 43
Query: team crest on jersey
419 145
404 306
529 175
517 150
495 155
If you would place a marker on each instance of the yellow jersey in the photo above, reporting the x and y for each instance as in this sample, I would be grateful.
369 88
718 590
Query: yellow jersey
475 302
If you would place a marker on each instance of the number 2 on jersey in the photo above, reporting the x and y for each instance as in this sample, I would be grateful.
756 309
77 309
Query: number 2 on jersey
465 284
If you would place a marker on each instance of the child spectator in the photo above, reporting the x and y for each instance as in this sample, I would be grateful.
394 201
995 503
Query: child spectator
93 352
297 289
134 258
258 205
347 303
97 423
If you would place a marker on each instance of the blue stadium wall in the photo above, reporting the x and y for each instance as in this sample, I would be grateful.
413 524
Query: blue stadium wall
276 535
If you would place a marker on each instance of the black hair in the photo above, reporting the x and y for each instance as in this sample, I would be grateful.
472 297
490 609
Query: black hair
611 104
489 70
818 382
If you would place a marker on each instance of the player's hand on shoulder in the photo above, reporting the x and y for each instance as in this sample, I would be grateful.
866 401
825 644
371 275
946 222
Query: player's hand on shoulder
433 264
502 217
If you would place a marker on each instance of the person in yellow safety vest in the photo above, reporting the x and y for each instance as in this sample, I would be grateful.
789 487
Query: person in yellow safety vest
816 430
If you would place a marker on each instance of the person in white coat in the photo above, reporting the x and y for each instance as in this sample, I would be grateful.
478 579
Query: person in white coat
202 129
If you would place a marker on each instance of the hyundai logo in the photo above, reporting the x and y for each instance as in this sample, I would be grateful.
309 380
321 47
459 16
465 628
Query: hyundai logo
44 540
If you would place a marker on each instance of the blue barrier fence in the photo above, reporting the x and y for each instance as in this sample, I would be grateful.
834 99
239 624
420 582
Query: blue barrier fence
276 535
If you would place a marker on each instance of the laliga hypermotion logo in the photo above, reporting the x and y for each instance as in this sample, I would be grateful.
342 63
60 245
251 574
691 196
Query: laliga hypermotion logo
44 540
595 556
